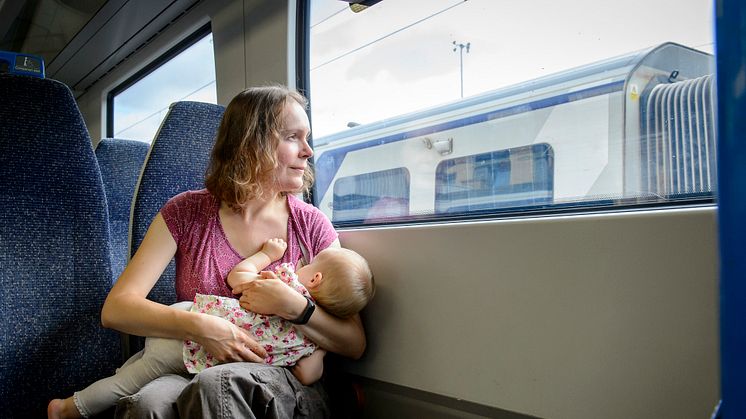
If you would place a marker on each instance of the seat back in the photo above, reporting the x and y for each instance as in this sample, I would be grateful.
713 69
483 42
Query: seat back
176 163
54 250
121 162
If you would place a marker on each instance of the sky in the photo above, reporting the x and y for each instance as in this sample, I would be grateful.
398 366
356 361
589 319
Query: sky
139 110
398 56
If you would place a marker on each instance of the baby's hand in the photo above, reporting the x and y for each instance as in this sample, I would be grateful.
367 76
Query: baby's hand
274 248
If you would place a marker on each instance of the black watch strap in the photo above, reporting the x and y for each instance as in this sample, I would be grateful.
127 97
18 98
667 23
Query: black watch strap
307 312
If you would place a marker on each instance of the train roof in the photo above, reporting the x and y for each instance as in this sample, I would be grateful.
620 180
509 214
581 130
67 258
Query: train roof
611 69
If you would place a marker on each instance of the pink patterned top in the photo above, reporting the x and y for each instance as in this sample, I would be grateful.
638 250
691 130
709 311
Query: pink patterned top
203 255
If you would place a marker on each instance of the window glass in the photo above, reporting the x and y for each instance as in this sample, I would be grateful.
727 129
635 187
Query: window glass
605 115
517 177
371 197
139 109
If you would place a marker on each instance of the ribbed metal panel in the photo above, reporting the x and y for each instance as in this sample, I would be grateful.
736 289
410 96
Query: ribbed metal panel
680 137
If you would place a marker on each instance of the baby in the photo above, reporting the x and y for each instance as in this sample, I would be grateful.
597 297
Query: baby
339 280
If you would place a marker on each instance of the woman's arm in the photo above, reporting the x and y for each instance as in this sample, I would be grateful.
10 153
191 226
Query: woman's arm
345 337
128 310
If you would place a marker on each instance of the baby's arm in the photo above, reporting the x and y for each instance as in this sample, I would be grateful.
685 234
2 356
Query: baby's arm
308 369
247 270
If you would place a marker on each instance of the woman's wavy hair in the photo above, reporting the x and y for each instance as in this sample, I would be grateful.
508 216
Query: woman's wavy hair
245 150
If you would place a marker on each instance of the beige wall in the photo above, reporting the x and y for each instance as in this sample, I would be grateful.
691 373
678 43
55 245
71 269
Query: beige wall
597 316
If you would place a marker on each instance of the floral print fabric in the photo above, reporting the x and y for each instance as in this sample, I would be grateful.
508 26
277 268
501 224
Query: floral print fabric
284 344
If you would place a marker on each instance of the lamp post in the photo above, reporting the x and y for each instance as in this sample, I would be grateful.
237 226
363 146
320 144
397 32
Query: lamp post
460 47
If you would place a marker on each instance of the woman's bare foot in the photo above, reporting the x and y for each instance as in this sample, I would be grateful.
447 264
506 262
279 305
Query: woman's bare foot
62 409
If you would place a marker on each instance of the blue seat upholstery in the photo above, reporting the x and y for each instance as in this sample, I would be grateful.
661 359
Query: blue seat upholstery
54 250
176 163
121 162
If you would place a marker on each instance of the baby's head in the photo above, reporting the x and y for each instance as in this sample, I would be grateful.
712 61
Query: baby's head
339 280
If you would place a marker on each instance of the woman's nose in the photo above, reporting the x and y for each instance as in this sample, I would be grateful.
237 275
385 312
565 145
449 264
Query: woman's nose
306 151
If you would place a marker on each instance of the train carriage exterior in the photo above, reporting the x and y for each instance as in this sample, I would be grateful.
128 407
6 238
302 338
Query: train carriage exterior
586 134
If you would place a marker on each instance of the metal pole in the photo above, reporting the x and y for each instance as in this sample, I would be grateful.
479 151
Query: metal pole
461 67
461 47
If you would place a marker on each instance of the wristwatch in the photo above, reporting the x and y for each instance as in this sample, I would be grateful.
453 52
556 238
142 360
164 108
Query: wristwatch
305 316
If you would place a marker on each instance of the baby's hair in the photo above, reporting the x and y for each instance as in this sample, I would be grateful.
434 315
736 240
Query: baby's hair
348 283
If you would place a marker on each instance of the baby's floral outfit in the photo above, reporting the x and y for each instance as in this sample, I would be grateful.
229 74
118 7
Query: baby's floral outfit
284 344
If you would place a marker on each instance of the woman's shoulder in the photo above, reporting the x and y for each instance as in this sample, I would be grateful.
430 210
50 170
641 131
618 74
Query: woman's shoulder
186 210
304 210
312 223
193 199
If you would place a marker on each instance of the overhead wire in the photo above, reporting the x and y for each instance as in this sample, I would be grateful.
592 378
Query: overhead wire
388 35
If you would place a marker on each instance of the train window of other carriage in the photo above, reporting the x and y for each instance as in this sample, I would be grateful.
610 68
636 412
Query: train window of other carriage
371 197
625 118
187 72
517 177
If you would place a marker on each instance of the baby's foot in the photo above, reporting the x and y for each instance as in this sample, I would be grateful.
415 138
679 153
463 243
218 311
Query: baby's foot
62 409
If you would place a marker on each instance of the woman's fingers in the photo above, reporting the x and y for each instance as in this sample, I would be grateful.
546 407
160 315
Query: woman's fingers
250 356
240 288
267 274
257 352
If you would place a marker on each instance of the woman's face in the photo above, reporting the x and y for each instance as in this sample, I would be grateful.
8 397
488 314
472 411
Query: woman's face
293 150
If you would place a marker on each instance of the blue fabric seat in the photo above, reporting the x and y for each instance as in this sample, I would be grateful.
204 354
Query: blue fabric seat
176 163
55 265
121 162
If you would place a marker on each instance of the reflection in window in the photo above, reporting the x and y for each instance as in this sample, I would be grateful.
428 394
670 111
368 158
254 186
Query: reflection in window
521 176
140 107
370 197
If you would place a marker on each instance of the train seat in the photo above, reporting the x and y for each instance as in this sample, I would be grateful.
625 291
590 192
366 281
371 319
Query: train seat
55 265
176 163
120 162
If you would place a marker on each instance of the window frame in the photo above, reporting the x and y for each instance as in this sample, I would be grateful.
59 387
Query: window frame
149 68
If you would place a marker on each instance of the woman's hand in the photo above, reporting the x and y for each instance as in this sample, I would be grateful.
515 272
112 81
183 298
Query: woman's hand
228 342
269 295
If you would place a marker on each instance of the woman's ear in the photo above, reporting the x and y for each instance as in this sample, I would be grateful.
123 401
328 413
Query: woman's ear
316 280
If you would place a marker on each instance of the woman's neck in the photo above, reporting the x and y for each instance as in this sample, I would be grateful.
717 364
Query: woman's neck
259 207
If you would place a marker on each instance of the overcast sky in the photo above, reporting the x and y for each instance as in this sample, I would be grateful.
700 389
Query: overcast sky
138 111
397 56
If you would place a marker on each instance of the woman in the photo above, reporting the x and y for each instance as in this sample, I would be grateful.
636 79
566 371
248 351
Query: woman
260 159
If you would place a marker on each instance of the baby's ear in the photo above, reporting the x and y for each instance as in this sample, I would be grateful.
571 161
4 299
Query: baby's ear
316 280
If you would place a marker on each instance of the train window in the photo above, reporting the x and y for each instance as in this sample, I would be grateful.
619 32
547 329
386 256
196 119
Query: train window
496 107
187 72
518 177
371 197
